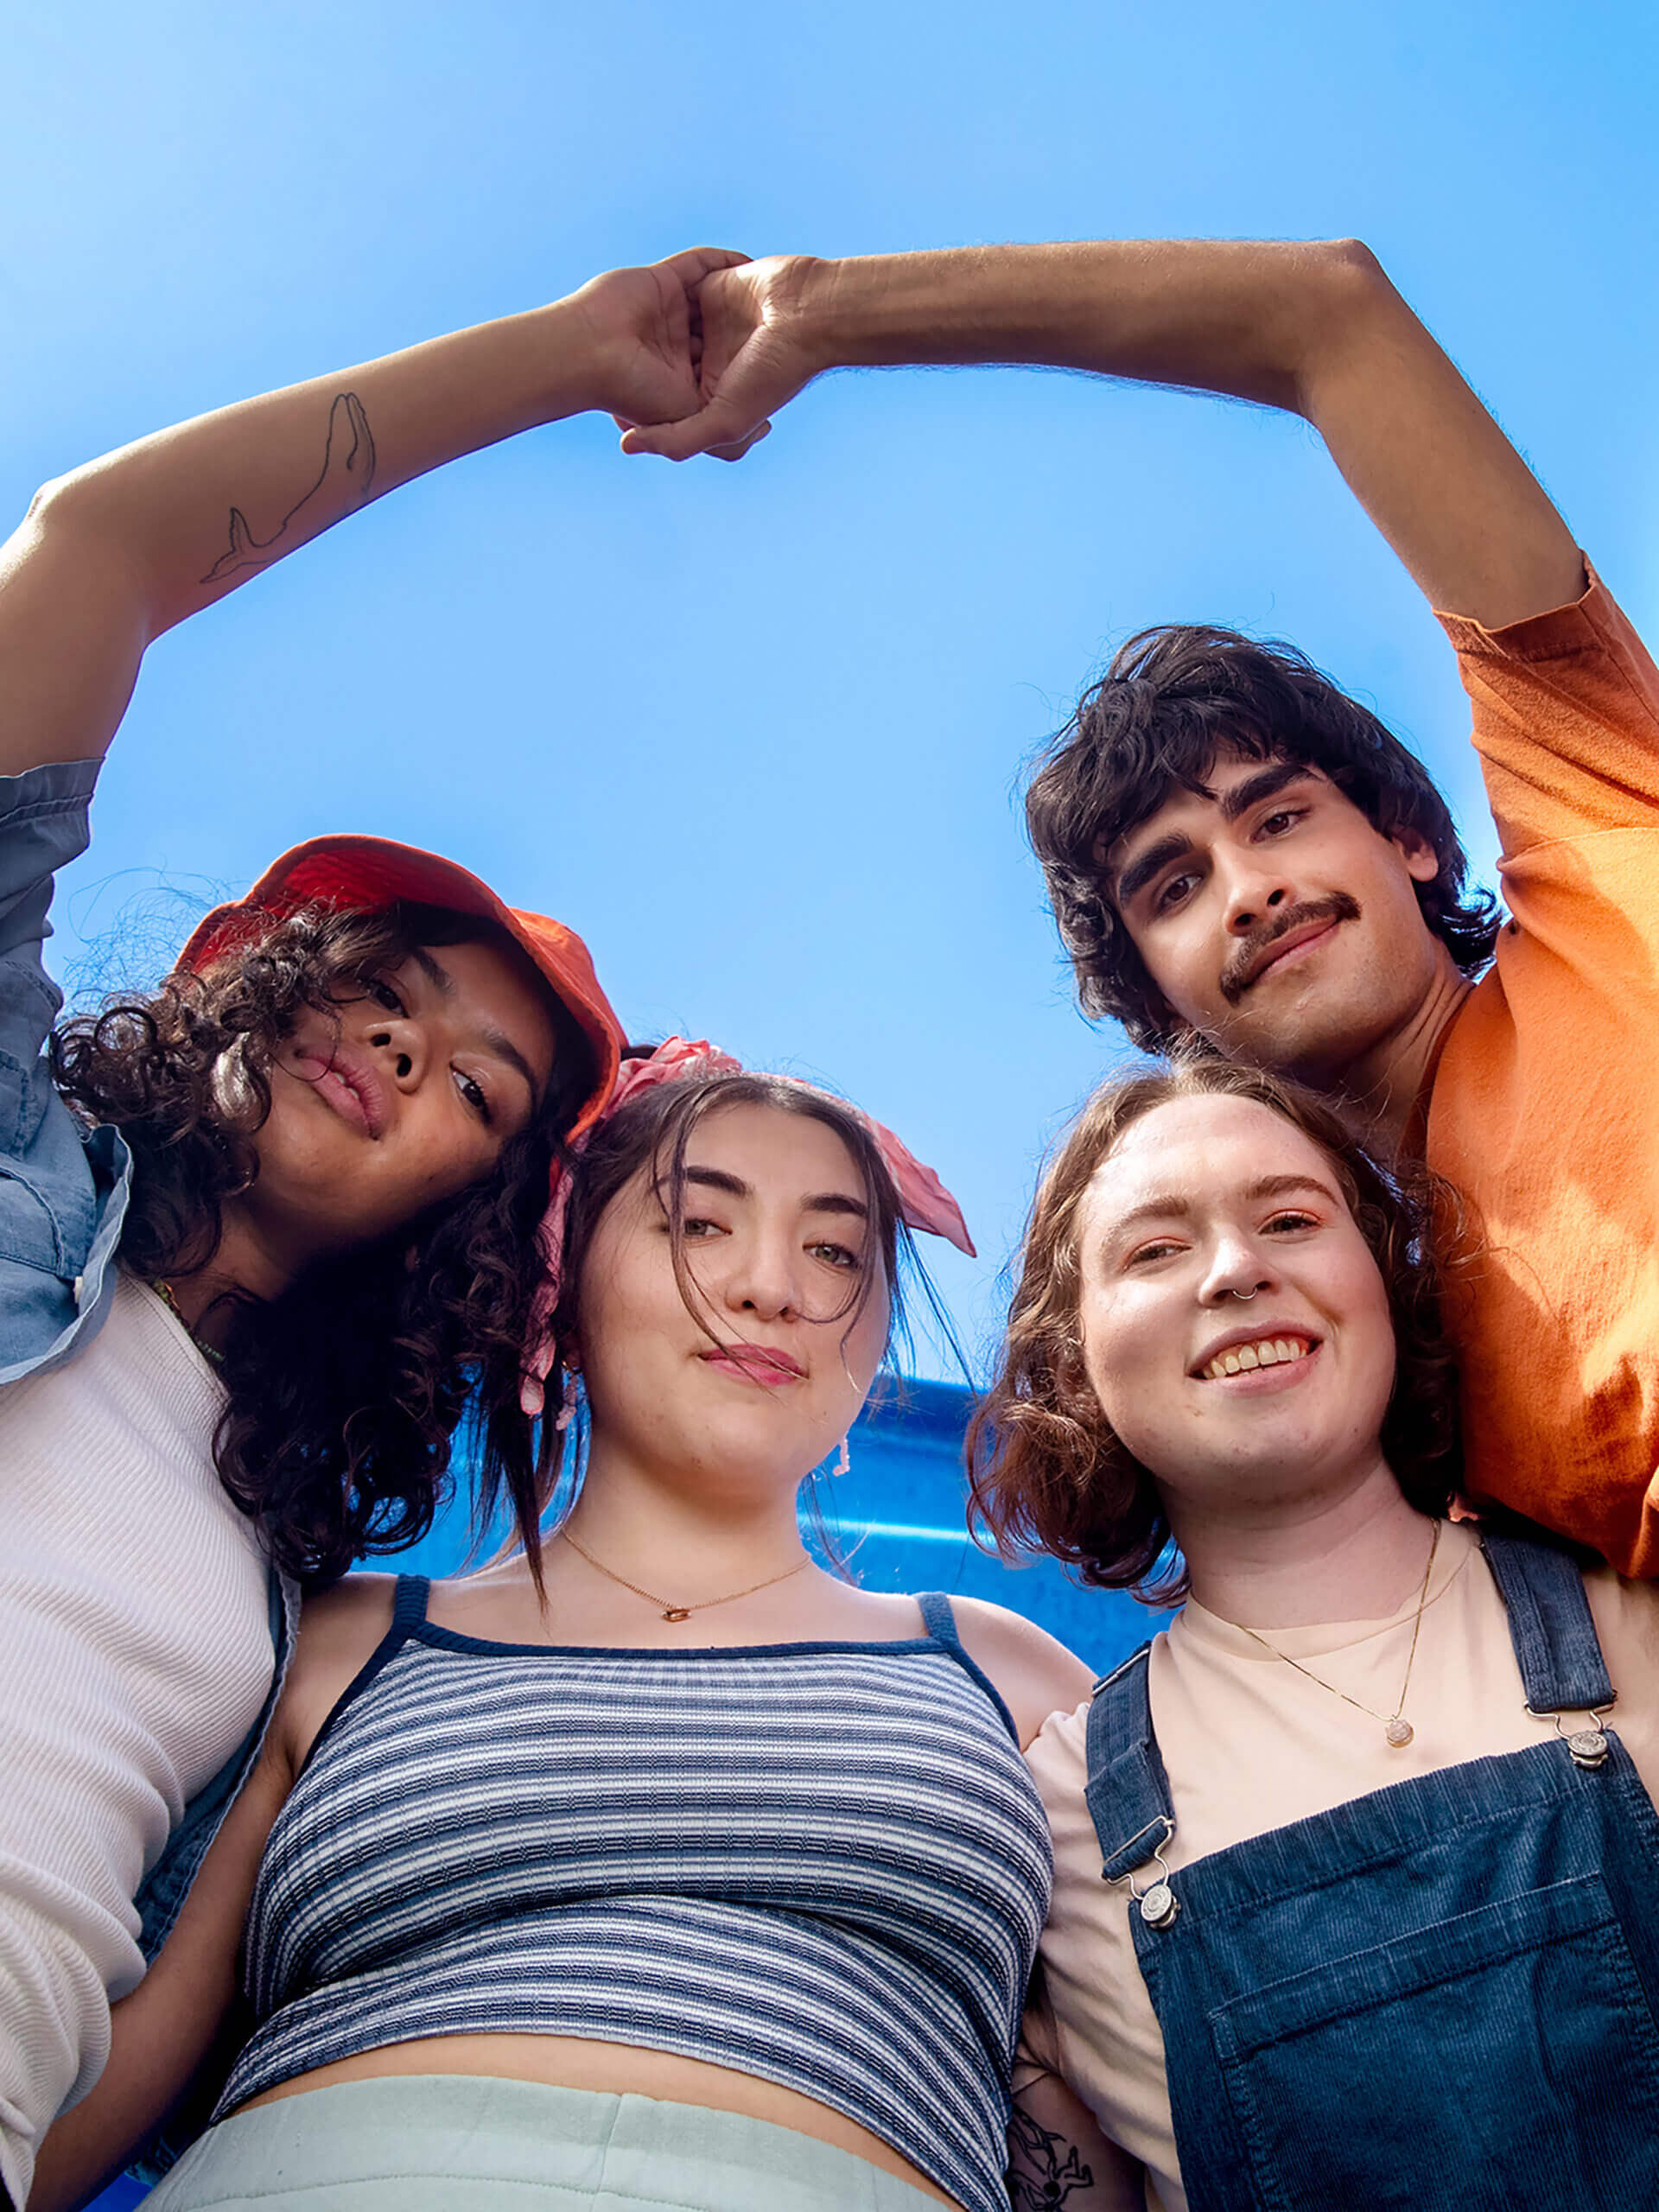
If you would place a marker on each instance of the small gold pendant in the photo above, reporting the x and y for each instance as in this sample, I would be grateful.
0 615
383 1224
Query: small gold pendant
1399 1732
677 1613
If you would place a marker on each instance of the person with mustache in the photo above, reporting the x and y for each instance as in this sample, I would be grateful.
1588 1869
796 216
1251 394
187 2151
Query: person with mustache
1239 854
654 1864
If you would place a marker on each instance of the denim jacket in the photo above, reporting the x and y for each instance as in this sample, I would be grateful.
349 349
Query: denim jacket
63 1199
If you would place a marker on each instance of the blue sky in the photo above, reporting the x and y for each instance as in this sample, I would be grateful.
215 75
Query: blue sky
757 731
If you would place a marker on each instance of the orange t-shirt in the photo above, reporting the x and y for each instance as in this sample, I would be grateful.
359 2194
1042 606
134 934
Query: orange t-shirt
1544 1108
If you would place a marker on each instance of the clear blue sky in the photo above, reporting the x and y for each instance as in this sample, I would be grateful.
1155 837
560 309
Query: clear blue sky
756 731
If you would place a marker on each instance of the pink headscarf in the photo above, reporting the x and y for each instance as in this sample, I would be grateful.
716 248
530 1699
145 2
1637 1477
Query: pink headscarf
924 1202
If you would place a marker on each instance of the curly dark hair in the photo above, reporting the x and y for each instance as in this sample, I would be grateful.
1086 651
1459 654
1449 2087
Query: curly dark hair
652 1129
1047 1472
1172 698
345 1392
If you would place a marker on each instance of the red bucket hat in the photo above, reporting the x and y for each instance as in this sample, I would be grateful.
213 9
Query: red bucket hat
366 873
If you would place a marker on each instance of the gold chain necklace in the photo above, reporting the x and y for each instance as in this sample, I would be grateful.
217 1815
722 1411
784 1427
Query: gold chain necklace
670 1612
1398 1730
209 1352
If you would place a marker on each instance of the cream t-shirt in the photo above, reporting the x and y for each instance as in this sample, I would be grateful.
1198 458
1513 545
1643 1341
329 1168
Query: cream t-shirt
1250 1745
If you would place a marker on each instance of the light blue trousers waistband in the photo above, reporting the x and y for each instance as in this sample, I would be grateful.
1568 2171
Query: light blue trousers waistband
465 2143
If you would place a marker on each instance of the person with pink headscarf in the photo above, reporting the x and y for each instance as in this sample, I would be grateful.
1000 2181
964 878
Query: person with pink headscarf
656 1863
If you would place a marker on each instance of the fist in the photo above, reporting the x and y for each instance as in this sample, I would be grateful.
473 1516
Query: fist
645 339
751 344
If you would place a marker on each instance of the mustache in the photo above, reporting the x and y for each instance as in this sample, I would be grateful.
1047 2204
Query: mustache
1240 970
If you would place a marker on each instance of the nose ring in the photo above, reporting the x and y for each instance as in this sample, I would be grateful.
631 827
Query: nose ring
1244 1296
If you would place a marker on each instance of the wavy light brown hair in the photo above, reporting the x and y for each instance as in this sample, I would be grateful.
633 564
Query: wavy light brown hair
345 1392
1047 1471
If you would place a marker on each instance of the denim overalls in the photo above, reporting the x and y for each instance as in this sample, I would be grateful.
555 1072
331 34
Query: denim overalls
1442 1993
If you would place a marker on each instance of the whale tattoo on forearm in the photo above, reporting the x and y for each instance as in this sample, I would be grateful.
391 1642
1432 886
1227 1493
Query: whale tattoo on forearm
346 482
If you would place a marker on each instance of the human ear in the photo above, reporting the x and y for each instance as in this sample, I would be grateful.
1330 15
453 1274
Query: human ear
1422 861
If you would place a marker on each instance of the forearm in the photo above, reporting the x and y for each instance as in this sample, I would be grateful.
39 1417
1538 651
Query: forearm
197 508
162 2032
1059 2154
119 551
1315 328
1215 316
151 2060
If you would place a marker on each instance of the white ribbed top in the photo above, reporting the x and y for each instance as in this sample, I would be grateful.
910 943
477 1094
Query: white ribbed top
135 1655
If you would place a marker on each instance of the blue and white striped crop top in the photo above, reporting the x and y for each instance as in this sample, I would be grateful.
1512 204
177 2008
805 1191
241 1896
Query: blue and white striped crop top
822 1864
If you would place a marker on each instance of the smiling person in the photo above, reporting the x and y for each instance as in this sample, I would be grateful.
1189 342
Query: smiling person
654 1864
265 1229
1238 852
1355 1863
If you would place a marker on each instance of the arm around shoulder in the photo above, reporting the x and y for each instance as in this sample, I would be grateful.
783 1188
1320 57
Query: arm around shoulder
161 2033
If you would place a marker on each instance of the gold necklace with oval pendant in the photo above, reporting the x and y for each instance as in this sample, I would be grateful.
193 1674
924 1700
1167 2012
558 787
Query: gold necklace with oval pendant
669 1611
1395 1727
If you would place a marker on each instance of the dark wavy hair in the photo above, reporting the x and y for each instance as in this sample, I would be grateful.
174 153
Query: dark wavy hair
652 1130
345 1392
1172 698
1047 1471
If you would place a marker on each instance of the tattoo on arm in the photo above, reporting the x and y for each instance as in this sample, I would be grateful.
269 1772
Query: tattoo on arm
346 482
1037 2180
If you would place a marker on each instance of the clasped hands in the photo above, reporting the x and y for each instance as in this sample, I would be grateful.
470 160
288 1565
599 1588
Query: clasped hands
700 351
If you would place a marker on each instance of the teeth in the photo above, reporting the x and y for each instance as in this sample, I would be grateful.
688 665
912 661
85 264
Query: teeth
1267 1352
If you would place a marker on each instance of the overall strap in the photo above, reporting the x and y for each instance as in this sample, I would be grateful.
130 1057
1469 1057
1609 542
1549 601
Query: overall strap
1554 1636
940 1621
1128 1790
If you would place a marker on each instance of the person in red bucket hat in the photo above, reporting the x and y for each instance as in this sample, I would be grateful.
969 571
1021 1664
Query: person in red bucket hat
267 1232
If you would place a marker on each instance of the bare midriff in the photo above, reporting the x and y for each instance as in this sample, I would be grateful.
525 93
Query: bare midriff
613 2070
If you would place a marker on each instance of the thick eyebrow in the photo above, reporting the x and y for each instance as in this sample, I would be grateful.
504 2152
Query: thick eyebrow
716 1179
1166 1203
1266 784
439 977
1156 857
493 1041
836 1202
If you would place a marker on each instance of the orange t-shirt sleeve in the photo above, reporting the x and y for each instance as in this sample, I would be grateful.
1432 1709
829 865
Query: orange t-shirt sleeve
1566 720
1543 1111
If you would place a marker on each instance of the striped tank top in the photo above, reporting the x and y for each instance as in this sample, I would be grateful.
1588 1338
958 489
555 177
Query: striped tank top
822 1864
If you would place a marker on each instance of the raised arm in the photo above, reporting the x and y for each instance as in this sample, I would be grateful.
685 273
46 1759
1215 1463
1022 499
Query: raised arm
1316 329
119 551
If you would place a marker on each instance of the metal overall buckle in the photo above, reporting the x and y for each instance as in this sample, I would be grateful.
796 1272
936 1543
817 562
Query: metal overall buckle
1587 1746
1158 1902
